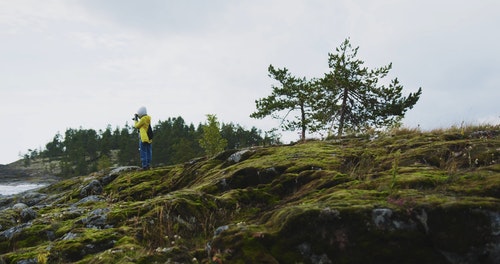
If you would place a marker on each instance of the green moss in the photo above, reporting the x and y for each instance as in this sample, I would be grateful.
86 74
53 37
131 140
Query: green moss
481 182
283 204
67 185
85 242
8 218
125 250
123 211
250 197
32 236
63 227
27 253
421 180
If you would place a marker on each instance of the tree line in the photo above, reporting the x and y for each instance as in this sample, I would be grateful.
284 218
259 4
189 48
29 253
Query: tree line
81 151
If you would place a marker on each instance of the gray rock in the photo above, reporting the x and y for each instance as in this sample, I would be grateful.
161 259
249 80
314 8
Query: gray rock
6 201
96 219
18 207
9 233
381 217
72 213
91 198
238 156
28 214
220 229
93 188
69 236
33 198
116 172
27 261
124 169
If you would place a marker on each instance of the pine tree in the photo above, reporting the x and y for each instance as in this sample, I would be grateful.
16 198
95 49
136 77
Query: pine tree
55 148
237 137
80 154
211 140
292 96
128 142
351 98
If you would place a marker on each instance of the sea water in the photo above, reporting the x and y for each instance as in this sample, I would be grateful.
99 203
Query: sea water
9 189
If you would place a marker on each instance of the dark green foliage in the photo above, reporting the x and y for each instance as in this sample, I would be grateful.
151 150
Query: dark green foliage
211 139
55 148
238 137
128 144
107 141
292 95
81 151
175 142
350 96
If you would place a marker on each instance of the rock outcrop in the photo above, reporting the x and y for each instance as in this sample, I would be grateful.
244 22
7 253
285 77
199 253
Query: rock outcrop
405 198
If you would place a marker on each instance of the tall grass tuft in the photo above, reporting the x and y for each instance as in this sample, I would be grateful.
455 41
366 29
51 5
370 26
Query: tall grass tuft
394 170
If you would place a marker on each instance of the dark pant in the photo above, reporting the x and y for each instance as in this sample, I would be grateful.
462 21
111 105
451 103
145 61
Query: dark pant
146 154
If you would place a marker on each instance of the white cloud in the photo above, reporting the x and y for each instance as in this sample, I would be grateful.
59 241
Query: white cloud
93 63
90 40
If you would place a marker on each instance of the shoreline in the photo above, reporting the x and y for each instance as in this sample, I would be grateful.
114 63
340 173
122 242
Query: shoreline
12 173
16 180
7 190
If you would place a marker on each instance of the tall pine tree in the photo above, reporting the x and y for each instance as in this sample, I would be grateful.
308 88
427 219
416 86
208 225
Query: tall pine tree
351 98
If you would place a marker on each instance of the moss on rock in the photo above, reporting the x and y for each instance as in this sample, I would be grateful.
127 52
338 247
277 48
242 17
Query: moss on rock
404 197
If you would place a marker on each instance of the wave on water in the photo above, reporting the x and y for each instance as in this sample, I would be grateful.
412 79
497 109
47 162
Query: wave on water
10 189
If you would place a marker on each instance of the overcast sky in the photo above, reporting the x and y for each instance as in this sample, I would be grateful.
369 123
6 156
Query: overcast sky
89 63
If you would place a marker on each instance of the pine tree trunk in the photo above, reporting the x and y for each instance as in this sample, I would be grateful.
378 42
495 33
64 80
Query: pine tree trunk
303 134
342 112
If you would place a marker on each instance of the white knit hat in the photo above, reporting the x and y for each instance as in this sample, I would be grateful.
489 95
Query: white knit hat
142 111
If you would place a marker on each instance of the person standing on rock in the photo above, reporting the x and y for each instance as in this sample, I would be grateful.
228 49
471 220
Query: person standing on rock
143 123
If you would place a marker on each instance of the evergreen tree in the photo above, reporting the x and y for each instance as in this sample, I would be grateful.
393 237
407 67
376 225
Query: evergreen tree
211 140
237 137
107 141
128 142
81 151
175 142
292 96
80 154
253 137
227 132
185 149
55 148
351 98
181 134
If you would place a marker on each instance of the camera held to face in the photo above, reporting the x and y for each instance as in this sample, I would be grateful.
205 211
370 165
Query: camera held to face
136 117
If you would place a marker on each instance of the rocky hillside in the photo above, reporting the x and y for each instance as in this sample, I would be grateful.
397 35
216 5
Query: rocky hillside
408 197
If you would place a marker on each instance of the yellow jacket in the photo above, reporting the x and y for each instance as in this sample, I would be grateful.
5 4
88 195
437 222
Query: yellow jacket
143 125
